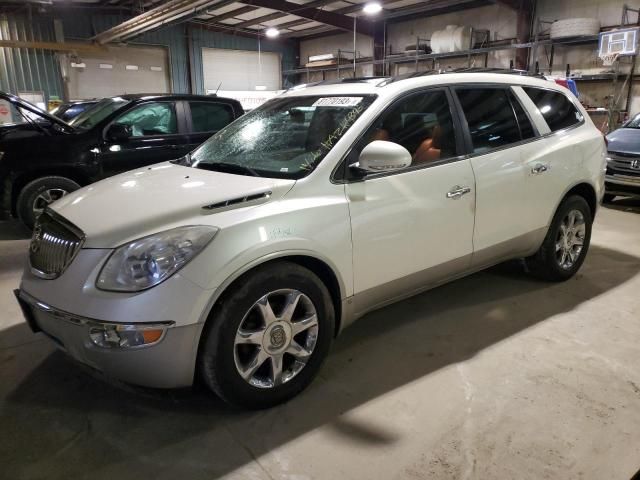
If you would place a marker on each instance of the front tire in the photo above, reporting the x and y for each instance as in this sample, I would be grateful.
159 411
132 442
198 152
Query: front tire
566 243
267 338
36 195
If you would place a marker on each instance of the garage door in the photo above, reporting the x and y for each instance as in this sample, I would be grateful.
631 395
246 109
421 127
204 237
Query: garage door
118 71
239 69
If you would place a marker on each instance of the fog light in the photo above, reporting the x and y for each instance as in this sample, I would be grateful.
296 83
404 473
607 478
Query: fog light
124 336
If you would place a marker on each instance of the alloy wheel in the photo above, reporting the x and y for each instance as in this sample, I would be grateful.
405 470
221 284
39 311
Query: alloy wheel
570 239
45 198
276 338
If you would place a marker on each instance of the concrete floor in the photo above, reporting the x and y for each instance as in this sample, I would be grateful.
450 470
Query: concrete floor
494 376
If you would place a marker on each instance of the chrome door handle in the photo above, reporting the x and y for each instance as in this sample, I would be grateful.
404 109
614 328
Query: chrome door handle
457 191
539 168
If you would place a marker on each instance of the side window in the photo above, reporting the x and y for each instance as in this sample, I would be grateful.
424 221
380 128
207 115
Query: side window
558 111
151 119
209 116
421 123
526 128
492 122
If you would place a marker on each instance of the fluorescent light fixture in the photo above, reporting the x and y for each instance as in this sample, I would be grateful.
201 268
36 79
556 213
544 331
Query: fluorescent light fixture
272 32
131 67
372 8
78 65
261 87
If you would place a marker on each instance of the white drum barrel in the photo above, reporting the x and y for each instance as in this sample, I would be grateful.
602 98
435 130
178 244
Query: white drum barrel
452 38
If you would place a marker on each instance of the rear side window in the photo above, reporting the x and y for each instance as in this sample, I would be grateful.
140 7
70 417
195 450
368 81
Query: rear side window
209 116
490 116
556 108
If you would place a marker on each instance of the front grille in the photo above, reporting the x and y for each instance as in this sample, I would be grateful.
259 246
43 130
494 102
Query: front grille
624 164
54 245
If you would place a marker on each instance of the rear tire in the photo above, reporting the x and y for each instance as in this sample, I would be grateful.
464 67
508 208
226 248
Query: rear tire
253 363
39 193
566 243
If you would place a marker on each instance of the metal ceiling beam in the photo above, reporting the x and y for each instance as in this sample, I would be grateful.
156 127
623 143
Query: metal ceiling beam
56 46
436 7
343 10
333 19
230 14
162 15
276 15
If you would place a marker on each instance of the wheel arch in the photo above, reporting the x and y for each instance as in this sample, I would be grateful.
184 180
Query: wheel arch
322 267
583 189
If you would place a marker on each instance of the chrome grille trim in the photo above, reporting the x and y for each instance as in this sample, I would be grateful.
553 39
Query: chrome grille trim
54 245
621 163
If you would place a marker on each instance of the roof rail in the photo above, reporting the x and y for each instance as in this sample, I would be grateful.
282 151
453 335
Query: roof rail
505 71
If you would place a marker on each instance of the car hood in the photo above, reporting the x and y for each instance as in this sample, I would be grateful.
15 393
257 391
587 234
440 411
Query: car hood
624 140
17 101
149 200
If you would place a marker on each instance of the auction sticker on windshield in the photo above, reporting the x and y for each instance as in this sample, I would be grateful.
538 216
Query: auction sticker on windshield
337 102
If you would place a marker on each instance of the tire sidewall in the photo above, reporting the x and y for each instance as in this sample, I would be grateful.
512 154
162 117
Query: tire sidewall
572 203
217 354
24 205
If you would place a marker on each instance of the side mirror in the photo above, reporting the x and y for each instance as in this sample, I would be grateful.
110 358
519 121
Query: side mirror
119 133
382 156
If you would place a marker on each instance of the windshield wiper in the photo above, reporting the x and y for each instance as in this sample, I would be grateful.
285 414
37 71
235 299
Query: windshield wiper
228 168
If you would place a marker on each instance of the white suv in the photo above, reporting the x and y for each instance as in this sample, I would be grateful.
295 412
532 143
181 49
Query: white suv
241 262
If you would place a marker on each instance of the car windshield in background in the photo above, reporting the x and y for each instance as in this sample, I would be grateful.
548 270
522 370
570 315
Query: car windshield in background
633 123
284 138
94 115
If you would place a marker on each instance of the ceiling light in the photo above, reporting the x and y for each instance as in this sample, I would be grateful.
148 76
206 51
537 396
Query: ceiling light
372 8
272 32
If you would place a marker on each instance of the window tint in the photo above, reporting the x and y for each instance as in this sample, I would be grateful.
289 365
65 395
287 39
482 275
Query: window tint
490 117
210 117
422 124
556 108
151 119
526 129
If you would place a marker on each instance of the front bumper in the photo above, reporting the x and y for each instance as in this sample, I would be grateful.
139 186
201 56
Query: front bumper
622 185
166 364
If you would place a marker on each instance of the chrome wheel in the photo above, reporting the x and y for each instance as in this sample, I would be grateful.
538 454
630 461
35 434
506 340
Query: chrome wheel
570 239
276 338
45 198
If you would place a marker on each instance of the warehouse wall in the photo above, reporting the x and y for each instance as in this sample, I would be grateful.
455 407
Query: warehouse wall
584 58
17 65
23 70
498 19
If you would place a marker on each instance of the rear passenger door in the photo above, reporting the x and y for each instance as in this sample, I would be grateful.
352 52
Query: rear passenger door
556 162
502 140
205 118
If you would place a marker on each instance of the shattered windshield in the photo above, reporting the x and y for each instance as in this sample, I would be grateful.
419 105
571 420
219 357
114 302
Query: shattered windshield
285 138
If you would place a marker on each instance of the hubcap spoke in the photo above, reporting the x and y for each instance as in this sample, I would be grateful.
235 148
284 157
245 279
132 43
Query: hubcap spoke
254 365
264 307
276 369
290 307
571 238
252 337
305 324
298 351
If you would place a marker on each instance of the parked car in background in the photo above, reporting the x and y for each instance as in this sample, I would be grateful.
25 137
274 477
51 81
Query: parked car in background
623 161
44 158
241 261
70 110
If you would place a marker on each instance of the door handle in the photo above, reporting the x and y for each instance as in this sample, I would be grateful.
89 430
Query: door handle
539 168
457 191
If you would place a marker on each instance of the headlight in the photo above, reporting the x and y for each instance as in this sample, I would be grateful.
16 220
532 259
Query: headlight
148 261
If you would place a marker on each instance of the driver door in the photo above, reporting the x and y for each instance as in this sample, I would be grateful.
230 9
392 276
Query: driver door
412 228
156 135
